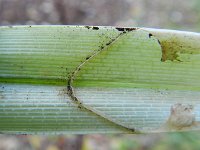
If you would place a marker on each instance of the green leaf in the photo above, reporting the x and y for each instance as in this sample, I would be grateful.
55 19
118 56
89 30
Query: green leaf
84 79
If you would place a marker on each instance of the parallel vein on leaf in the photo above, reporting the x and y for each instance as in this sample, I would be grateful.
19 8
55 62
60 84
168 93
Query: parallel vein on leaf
72 76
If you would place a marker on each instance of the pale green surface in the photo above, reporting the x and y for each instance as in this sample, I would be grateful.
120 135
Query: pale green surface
47 53
127 74
135 61
47 110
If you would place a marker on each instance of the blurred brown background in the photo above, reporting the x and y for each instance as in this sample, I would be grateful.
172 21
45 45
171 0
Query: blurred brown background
179 14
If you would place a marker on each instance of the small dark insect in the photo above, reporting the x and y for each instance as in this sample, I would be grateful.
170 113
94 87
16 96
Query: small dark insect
95 28
150 35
